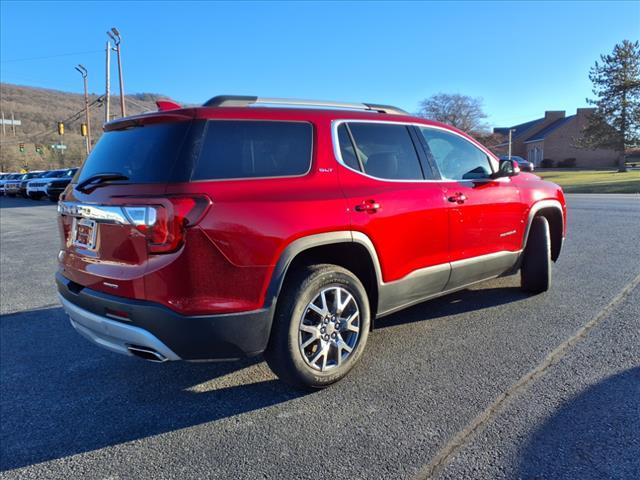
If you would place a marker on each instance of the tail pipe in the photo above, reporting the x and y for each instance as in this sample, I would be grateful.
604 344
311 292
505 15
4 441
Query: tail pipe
146 353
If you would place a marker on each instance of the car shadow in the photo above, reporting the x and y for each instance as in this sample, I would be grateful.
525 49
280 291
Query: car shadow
62 396
455 303
593 435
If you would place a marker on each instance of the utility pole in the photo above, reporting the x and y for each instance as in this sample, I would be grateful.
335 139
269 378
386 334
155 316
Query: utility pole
83 72
511 130
13 122
107 89
115 36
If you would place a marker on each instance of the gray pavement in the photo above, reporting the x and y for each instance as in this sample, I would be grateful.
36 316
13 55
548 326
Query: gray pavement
69 409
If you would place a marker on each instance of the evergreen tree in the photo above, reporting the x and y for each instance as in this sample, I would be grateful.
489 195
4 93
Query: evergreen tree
616 85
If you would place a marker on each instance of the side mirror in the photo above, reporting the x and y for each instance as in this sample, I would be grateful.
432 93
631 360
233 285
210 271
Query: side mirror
507 168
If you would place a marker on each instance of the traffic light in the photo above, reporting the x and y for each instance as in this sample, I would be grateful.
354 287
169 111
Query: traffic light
83 129
60 128
21 145
39 149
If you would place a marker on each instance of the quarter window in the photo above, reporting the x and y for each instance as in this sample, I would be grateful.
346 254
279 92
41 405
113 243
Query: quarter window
457 158
250 149
385 150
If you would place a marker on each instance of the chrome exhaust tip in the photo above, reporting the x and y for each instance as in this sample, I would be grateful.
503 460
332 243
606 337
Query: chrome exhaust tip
146 354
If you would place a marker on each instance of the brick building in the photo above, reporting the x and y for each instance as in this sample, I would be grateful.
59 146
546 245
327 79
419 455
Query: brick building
553 137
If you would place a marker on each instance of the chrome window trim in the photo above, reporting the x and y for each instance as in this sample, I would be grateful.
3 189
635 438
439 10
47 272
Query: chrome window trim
338 155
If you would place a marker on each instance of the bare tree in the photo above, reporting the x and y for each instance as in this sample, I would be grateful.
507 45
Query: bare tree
491 140
460 111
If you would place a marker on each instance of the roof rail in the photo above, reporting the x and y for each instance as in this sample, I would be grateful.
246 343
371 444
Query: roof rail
245 101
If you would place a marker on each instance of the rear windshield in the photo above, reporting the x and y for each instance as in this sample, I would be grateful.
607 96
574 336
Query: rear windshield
145 154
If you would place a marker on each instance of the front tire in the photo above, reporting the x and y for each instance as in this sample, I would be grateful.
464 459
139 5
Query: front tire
535 273
320 328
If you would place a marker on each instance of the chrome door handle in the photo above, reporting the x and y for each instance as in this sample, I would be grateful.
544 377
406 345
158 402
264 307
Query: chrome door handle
369 206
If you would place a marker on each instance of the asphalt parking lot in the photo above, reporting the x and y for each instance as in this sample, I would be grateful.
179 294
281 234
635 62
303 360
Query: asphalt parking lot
484 383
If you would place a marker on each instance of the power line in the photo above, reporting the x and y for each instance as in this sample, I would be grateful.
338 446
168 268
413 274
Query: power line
72 118
135 103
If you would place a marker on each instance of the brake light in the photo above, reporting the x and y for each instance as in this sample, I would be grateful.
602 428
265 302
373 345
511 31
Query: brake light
164 222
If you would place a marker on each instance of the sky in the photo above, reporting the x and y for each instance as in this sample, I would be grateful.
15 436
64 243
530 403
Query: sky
521 58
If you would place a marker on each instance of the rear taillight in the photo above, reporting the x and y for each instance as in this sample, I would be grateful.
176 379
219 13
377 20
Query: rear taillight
163 221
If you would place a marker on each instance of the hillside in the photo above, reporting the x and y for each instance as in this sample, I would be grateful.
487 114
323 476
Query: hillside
40 110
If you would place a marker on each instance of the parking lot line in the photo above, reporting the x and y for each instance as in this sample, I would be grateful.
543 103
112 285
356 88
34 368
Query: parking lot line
476 425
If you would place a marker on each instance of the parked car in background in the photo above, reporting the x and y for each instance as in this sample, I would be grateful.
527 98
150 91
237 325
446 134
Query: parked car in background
4 178
12 185
36 188
56 186
525 165
237 228
24 180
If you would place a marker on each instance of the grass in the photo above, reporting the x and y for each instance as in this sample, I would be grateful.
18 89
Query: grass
594 181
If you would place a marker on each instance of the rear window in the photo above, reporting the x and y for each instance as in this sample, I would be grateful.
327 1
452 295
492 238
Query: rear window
251 149
145 154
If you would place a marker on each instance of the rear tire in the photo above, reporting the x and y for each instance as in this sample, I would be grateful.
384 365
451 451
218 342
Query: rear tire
320 327
535 272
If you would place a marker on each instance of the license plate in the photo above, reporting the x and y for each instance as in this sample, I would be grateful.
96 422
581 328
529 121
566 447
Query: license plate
84 233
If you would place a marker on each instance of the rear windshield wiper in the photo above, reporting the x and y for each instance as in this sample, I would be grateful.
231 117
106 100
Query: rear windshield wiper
99 178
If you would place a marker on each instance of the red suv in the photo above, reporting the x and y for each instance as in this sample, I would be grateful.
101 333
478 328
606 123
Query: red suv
287 227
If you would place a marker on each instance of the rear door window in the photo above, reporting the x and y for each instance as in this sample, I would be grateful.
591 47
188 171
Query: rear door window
386 150
254 149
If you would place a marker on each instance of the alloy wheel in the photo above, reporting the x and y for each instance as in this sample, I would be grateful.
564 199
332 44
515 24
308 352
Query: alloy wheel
329 329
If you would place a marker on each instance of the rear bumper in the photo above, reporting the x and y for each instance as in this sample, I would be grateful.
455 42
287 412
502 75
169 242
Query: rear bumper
112 335
153 326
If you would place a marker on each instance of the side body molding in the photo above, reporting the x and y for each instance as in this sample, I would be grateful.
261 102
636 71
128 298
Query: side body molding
392 296
419 285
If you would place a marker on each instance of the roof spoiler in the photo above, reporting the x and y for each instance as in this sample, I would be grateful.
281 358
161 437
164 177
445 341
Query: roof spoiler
164 105
148 119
